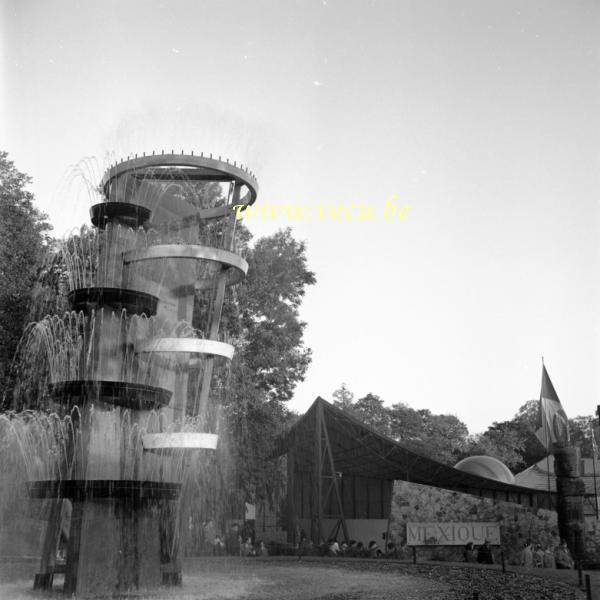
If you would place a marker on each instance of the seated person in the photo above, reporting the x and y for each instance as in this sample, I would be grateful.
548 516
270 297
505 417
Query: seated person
262 549
334 548
247 548
373 550
392 551
218 545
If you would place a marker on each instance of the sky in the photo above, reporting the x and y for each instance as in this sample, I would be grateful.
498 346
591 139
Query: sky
480 115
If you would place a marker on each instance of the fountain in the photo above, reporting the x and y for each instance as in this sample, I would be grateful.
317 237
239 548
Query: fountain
125 378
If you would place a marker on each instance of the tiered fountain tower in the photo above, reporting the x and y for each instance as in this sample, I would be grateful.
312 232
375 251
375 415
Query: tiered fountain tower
134 364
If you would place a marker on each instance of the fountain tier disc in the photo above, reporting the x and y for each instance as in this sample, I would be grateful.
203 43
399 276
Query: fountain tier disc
92 298
130 215
87 489
137 396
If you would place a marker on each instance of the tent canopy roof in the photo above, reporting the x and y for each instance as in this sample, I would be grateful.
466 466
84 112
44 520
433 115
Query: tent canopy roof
359 450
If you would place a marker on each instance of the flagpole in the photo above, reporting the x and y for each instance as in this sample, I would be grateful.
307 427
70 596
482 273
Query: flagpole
594 460
549 490
547 455
595 489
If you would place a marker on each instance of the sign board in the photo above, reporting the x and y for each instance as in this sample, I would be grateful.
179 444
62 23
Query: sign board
452 534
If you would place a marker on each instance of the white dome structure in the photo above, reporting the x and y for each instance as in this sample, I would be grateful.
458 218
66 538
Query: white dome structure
486 466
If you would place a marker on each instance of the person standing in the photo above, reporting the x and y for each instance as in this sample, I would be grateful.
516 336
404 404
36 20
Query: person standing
469 554
563 557
527 556
484 554
538 556
549 560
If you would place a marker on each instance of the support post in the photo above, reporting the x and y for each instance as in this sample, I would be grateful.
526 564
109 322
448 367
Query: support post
318 475
588 587
213 335
570 490
291 492
336 486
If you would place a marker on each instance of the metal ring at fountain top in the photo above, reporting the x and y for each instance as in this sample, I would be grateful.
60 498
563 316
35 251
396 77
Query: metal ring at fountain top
185 166
238 266
190 345
179 440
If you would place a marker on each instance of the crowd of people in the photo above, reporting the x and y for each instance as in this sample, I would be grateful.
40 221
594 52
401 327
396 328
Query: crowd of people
353 548
550 557
531 556
482 555
240 541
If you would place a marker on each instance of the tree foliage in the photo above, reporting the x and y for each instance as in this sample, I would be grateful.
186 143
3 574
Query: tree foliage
262 317
447 439
343 397
23 242
268 327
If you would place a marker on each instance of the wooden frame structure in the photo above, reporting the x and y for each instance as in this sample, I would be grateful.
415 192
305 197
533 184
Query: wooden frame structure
338 469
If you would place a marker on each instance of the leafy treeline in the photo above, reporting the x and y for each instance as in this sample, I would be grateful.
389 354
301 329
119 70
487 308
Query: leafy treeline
446 438
24 241
262 318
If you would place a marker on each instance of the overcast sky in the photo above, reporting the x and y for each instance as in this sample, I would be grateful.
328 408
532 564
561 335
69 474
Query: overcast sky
483 116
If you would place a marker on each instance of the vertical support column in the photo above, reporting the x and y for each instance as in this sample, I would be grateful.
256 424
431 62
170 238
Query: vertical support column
217 310
569 502
317 516
43 579
72 572
335 481
213 334
291 492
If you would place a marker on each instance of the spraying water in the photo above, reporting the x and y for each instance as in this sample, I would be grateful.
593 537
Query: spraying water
115 389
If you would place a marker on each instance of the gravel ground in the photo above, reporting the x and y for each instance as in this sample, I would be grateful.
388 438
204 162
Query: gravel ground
286 578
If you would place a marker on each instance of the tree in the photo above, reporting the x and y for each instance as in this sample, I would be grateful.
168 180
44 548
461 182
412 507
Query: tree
406 423
504 441
23 243
580 429
343 397
370 410
261 315
268 328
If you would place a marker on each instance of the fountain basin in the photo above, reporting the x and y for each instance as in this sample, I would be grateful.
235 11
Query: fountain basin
94 298
179 440
121 393
79 490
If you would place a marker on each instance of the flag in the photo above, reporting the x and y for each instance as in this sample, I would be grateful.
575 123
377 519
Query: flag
552 420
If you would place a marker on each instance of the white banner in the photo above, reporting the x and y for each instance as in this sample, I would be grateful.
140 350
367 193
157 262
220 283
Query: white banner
452 534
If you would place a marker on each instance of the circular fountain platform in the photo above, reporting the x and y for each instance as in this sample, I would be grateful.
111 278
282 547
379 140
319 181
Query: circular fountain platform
179 440
188 346
131 395
94 298
130 215
82 489
236 265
